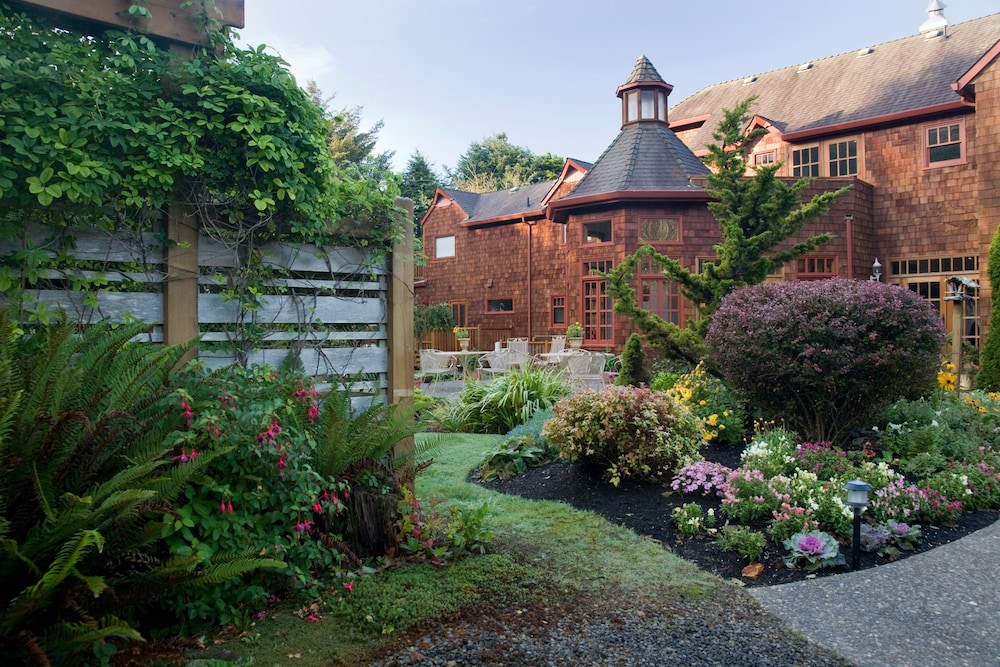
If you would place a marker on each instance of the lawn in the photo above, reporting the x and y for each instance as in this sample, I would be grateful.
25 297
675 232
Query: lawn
541 551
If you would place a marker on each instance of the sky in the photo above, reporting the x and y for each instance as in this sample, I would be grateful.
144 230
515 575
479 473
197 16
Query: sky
442 74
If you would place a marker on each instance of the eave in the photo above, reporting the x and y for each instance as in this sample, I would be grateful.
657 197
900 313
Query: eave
689 123
962 86
510 219
558 211
875 121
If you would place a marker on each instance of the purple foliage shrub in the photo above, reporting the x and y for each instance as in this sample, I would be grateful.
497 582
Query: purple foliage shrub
826 356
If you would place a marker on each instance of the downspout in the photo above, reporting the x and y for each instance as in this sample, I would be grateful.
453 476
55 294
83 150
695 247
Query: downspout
531 225
849 221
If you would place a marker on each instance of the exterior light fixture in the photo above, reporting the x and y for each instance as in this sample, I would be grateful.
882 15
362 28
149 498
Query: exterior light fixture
857 498
876 272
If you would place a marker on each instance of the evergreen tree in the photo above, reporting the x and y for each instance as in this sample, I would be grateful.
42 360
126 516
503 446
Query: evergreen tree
496 164
988 377
350 144
419 182
755 213
634 371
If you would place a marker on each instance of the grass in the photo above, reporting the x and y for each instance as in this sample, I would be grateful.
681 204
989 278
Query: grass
541 551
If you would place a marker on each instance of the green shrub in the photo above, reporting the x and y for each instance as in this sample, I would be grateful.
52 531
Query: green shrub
85 485
630 431
691 519
509 400
826 356
746 543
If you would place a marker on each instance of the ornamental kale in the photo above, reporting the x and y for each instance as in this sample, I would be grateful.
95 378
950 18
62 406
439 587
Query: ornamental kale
812 551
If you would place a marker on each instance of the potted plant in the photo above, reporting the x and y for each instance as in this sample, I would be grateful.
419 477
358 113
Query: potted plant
574 335
462 335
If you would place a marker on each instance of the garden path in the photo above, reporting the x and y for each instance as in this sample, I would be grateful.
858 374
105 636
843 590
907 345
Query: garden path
939 608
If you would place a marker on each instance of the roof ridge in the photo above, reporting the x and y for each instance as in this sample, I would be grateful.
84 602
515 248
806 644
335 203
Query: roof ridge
822 58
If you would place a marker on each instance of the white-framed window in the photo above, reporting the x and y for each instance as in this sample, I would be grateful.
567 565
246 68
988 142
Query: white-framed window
843 157
805 162
944 143
766 159
444 247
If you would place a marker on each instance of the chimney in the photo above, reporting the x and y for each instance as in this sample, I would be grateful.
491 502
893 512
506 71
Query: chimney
936 24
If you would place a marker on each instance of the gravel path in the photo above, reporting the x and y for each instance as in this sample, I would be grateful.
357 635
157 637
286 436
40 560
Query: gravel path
729 629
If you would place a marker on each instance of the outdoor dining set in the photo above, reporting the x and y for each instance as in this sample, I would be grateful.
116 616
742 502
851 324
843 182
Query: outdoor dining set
583 367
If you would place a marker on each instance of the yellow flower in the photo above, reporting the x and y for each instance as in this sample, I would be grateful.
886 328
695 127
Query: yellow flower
713 420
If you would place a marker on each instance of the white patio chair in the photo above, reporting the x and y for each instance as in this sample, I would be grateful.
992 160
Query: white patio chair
585 369
556 347
498 361
435 362
518 345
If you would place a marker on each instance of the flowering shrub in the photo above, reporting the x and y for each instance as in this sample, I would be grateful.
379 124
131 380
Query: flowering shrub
822 459
437 537
812 551
261 495
631 431
709 398
826 356
691 520
889 538
705 477
746 495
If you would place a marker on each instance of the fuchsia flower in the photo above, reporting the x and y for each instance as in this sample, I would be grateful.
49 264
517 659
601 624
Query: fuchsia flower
184 457
313 413
186 407
303 526
349 585
317 507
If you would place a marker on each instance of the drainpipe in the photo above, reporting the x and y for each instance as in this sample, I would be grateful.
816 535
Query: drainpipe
531 225
849 222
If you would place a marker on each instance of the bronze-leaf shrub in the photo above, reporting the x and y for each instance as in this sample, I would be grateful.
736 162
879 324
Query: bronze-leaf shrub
828 356
630 431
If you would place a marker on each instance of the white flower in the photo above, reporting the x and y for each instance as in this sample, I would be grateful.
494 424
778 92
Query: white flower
934 422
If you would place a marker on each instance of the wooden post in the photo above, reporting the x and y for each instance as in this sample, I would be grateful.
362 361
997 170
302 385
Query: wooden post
399 304
180 290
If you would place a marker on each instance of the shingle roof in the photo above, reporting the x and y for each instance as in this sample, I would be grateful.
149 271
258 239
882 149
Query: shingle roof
644 157
896 77
490 205
644 72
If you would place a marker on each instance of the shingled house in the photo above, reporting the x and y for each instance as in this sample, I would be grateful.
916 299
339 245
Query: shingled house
913 124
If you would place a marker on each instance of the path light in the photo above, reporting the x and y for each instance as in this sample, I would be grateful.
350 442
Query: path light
876 272
857 497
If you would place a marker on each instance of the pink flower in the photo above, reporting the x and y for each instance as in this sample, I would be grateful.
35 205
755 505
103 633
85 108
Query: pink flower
222 506
317 507
229 507
349 585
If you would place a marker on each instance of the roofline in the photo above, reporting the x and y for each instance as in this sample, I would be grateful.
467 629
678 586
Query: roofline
558 208
644 84
687 123
439 192
570 162
976 69
513 217
911 114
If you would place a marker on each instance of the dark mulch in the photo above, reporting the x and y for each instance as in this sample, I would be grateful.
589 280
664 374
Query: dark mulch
647 508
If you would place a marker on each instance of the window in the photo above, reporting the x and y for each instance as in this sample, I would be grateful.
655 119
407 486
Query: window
458 313
645 105
444 247
764 159
558 310
815 268
844 158
597 304
660 230
805 162
944 144
597 232
918 275
499 305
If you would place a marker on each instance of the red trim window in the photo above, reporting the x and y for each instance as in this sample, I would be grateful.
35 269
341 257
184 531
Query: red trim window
558 311
816 267
597 232
458 311
944 143
598 322
659 295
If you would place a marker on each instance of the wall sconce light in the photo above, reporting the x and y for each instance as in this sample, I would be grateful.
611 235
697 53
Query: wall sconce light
857 498
876 272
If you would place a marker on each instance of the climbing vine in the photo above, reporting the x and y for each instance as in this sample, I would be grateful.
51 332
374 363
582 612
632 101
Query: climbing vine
104 128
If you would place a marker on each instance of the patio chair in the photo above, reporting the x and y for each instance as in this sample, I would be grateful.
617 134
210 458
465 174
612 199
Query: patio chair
435 362
518 345
498 361
556 347
586 368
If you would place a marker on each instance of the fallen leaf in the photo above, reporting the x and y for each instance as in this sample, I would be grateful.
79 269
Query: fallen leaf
295 655
753 570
